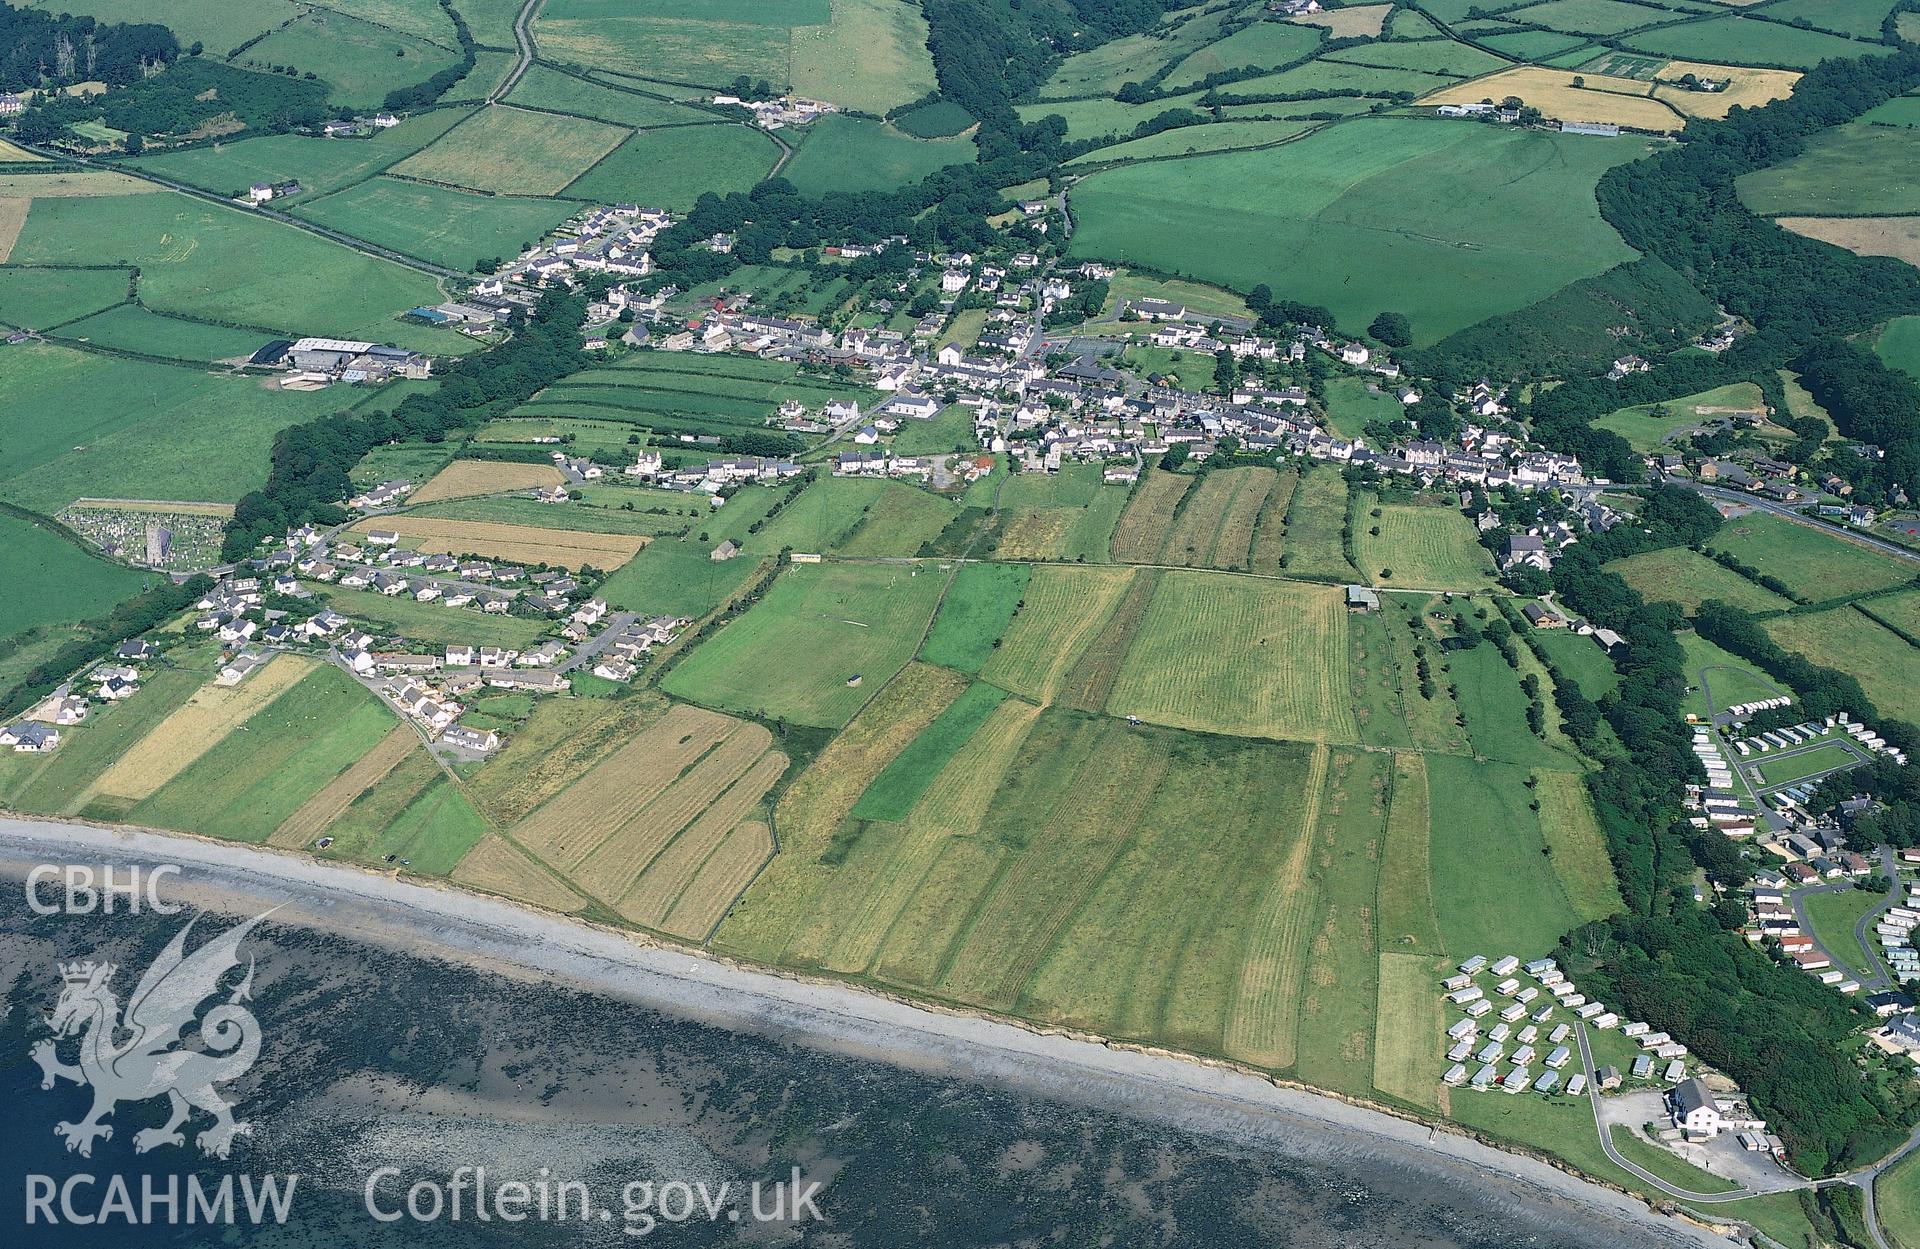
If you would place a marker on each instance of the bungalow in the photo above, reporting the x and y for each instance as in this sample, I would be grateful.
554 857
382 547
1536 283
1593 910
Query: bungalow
479 741
27 737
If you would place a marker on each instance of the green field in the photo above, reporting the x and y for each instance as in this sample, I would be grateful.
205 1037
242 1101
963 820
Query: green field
57 784
1338 77
129 327
675 577
1072 870
1191 140
437 224
1588 17
859 154
869 55
681 394
672 168
1532 45
1743 41
816 647
850 515
1493 889
1725 678
894 792
74 424
224 264
1677 575
1489 696
1843 638
1848 17
434 624
1371 215
359 61
1263 45
1856 169
1315 519
1354 401
1899 344
545 88
319 165
1813 564
1454 60
1581 660
259 774
68 584
1105 69
1429 546
1650 425
510 151
582 516
1897 1202
1785 771
1092 118
215 22
974 616
39 298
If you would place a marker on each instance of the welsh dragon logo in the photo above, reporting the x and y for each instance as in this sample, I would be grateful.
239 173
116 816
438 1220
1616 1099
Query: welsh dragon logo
152 1059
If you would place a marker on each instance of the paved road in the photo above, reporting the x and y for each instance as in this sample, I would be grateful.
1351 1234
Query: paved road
1602 1130
1787 513
589 649
1877 978
524 38
345 240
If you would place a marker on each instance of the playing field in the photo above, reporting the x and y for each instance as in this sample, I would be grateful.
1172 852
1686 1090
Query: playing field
973 618
815 648
1813 564
524 544
1846 639
1677 575
435 223
1385 214
1426 545
465 478
511 151
1231 655
1553 93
